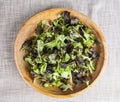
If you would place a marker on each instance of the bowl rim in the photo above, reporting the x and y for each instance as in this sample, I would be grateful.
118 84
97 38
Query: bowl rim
86 88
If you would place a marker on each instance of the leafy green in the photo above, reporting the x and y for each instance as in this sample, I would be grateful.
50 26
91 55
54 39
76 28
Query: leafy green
40 45
39 29
60 54
45 23
66 87
66 58
67 73
43 67
29 60
52 58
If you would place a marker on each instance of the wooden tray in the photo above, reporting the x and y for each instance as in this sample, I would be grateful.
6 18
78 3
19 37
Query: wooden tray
27 31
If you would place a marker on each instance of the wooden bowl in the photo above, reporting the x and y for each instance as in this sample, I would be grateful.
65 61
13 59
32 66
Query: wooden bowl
27 31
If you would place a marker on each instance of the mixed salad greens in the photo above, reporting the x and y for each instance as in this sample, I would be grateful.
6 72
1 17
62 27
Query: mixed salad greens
62 52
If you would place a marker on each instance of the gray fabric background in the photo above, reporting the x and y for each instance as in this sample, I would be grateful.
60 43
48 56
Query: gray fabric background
13 14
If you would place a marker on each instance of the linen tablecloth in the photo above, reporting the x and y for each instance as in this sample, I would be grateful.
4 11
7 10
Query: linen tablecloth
13 14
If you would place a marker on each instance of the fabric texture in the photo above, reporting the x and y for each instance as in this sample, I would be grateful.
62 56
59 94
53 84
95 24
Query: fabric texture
13 14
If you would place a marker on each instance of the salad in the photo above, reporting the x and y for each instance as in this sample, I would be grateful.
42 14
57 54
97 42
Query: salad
62 53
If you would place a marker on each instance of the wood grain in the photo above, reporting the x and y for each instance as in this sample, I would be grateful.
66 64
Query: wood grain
27 31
